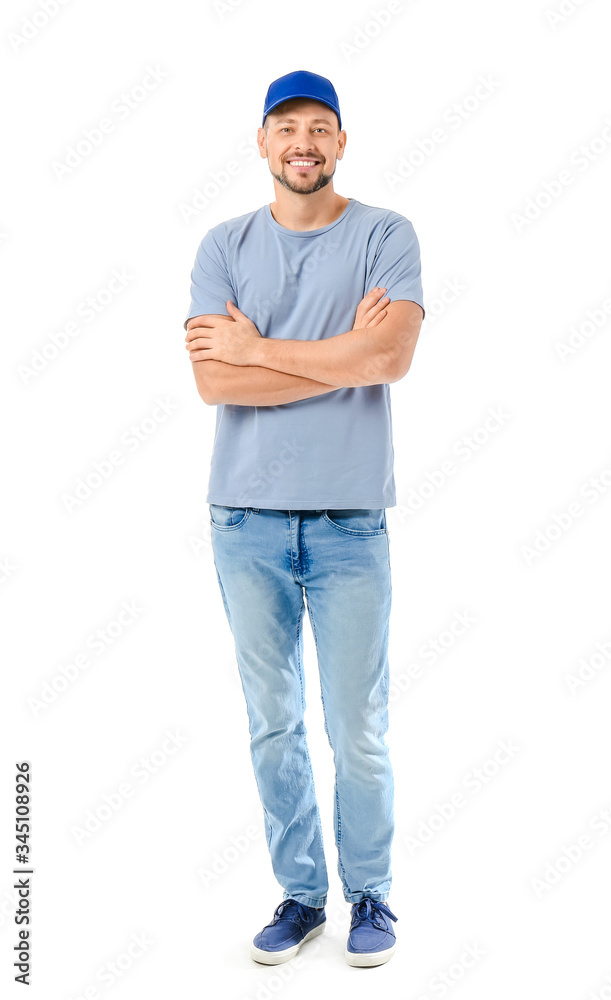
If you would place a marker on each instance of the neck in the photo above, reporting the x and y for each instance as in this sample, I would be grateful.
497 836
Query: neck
307 211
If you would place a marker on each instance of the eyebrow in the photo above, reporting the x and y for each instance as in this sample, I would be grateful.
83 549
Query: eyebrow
292 120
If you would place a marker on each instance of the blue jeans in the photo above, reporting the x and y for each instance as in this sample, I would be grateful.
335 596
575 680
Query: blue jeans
266 561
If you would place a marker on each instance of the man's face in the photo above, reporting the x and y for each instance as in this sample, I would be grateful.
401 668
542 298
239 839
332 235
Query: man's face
304 131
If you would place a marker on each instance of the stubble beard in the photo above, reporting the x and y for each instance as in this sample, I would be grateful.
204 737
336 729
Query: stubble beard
321 181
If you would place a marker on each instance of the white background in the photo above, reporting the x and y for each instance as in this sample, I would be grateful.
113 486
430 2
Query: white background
499 876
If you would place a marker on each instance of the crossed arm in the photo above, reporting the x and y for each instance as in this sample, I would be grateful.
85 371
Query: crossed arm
233 363
220 382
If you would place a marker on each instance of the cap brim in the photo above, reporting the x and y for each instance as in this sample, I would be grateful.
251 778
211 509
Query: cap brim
308 97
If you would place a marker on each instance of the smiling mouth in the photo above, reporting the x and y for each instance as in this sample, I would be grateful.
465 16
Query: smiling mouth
303 165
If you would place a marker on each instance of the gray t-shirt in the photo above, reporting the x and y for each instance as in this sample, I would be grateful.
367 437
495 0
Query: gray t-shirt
333 451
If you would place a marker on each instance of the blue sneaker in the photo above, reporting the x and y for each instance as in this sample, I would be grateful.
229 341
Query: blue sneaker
371 940
292 924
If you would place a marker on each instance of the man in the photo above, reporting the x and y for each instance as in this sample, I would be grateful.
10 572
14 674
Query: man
291 336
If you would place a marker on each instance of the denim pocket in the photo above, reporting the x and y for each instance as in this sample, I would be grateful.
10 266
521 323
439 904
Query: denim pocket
227 518
358 521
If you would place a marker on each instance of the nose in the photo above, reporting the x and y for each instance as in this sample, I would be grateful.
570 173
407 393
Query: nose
301 139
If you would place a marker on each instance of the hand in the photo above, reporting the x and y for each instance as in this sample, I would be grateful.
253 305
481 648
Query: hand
370 311
221 338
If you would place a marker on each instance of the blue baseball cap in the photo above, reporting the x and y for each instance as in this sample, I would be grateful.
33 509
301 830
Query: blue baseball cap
301 84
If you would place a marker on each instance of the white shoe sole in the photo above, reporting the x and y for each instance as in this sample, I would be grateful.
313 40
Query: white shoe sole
364 960
277 957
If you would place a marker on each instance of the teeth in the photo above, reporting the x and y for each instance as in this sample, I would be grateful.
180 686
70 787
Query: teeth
302 163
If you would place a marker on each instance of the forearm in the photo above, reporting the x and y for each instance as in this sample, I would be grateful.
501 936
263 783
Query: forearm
354 358
219 382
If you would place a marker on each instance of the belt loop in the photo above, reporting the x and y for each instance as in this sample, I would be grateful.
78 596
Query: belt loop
255 509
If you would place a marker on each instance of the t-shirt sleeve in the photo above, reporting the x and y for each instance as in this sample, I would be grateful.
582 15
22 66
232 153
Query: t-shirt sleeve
210 282
396 265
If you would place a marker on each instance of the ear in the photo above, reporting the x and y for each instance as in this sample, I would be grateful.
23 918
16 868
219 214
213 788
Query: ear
262 143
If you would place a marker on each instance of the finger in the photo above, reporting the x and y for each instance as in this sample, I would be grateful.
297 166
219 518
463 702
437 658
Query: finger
374 310
379 305
199 345
377 319
369 298
195 332
202 348
201 324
